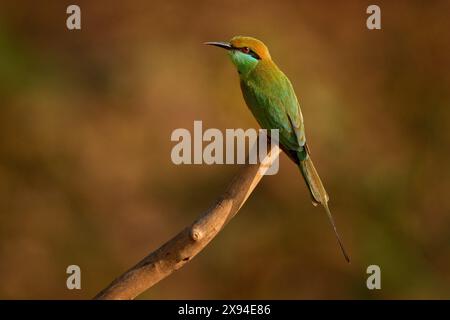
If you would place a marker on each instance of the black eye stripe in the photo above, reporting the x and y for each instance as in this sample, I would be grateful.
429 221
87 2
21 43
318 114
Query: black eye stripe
251 52
254 54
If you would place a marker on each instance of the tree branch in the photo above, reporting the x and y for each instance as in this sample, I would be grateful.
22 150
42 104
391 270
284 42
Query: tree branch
175 253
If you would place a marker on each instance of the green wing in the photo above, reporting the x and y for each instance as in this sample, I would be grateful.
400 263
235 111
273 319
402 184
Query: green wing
275 106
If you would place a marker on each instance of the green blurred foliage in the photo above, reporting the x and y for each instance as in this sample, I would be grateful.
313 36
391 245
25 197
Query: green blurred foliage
85 170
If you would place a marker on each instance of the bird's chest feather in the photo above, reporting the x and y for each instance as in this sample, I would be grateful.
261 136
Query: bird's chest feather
261 97
271 99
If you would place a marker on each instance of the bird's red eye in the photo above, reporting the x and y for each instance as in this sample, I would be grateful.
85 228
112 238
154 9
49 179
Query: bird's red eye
245 50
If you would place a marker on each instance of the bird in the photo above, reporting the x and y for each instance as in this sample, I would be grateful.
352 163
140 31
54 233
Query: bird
271 99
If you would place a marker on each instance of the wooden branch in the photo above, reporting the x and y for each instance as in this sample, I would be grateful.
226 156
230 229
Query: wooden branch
175 253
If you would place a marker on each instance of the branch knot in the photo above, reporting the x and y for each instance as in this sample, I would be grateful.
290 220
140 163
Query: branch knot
196 234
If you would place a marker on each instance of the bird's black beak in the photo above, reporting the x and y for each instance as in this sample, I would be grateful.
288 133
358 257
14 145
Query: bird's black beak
223 45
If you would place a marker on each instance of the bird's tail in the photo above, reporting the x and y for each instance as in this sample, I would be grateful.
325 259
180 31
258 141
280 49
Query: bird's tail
319 194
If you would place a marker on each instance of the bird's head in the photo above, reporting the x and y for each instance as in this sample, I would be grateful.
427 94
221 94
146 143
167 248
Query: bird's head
245 52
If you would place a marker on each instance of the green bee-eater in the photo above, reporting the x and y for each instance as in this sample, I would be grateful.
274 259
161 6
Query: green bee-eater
271 98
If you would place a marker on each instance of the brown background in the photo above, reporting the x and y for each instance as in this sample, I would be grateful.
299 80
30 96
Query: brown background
85 170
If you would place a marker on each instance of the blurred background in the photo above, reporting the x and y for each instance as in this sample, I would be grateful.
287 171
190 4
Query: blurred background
86 176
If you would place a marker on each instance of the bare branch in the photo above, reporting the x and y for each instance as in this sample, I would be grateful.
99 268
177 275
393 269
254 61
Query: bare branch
175 253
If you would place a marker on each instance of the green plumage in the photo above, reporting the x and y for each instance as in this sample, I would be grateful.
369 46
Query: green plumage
271 98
